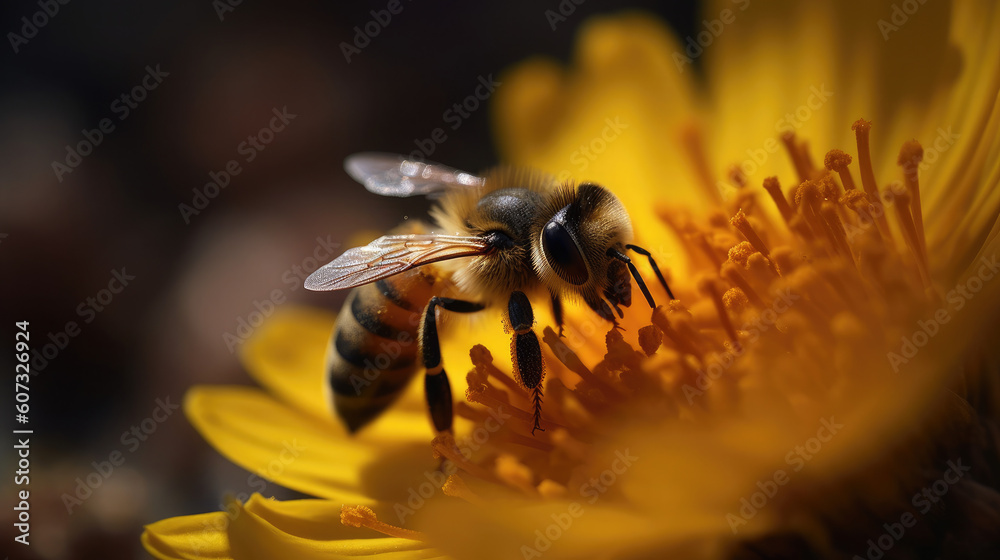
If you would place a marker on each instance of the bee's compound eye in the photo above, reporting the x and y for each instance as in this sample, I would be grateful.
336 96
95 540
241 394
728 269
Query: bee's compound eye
563 254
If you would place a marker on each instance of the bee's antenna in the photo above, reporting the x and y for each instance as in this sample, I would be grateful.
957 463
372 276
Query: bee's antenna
615 253
652 263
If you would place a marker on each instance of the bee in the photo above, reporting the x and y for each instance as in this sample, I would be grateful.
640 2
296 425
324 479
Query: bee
496 239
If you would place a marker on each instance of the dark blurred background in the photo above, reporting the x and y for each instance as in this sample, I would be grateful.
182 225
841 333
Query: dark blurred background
85 210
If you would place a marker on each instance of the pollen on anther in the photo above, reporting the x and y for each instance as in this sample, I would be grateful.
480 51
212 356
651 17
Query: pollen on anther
741 252
837 160
735 300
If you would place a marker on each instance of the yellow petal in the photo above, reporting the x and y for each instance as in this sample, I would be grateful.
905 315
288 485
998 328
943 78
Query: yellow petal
311 529
286 355
191 537
277 443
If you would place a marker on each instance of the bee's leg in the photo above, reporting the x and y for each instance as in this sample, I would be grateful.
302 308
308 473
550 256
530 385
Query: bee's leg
557 312
616 254
436 384
652 263
526 353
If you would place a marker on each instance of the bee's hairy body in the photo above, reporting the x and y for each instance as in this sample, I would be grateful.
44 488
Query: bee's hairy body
521 233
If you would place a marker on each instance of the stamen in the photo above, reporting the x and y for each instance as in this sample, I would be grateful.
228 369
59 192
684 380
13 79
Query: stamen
515 474
902 207
573 362
858 201
703 244
740 222
861 129
363 516
798 157
773 188
731 272
809 198
910 156
837 161
682 342
708 287
836 229
444 446
482 358
694 143
486 395
455 487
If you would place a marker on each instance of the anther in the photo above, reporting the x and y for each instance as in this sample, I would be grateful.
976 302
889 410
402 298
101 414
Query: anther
735 300
838 162
740 252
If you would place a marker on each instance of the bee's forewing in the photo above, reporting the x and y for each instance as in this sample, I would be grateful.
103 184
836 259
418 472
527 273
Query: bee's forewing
390 255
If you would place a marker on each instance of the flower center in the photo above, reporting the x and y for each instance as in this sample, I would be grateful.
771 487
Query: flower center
794 291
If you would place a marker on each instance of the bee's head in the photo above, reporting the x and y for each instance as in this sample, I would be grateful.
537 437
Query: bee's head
574 236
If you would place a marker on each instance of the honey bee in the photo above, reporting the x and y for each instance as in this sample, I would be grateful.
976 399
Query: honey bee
497 239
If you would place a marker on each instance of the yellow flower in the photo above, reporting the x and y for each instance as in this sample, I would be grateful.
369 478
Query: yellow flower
822 386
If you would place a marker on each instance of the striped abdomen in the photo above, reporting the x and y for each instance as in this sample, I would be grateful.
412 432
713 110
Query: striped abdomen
373 353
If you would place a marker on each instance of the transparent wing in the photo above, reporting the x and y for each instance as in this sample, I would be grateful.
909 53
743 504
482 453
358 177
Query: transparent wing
391 255
395 175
